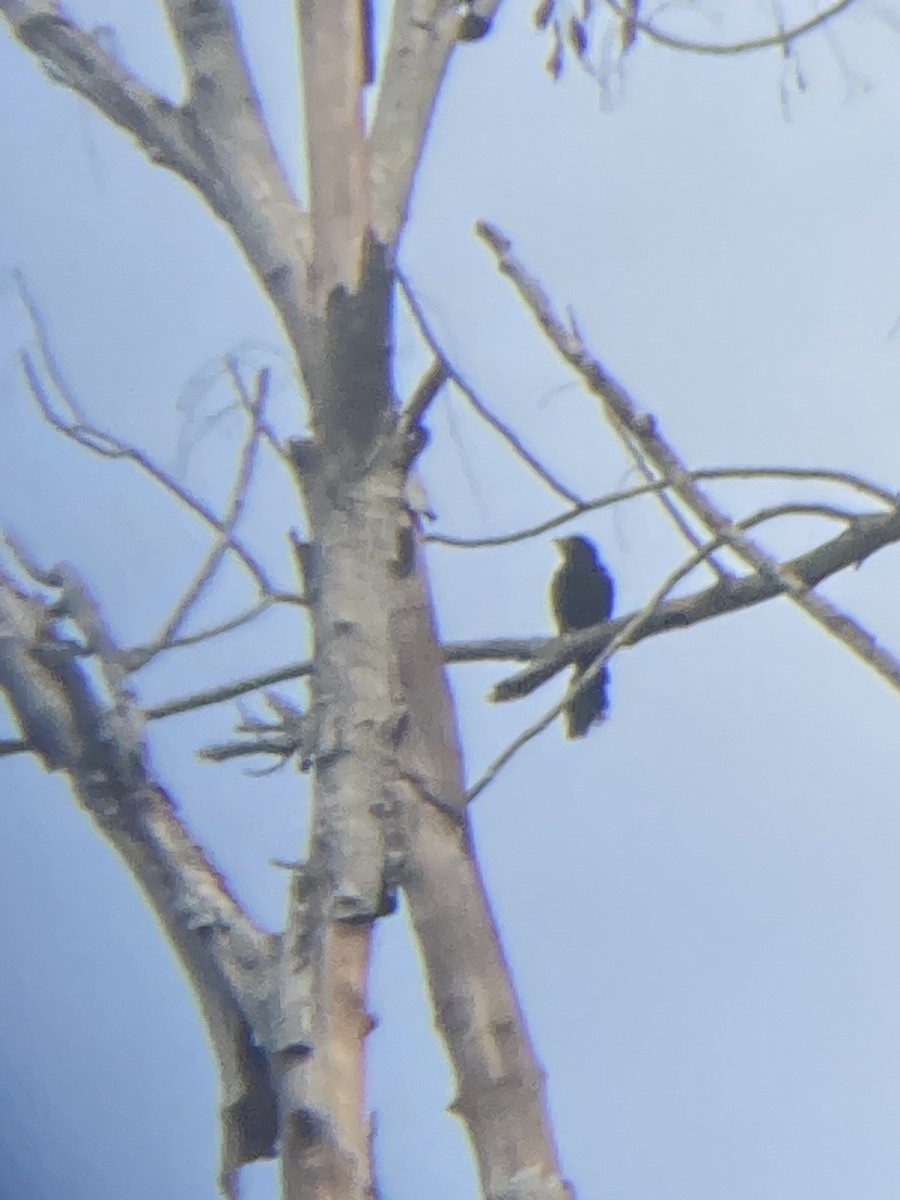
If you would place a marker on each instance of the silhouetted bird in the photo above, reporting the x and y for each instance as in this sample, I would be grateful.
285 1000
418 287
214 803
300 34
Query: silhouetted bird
581 593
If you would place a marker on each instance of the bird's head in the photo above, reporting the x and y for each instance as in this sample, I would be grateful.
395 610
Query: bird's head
575 548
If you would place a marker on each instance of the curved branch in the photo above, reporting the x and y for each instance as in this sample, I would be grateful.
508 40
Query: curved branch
865 535
678 518
547 655
255 408
783 38
227 958
79 61
628 422
823 475
584 679
107 445
218 143
137 657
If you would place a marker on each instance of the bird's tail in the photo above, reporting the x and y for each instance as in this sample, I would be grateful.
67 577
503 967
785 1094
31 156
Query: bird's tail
589 705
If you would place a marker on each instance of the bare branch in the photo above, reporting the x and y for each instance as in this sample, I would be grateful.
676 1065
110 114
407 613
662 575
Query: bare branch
272 742
227 958
625 419
254 403
10 746
865 487
428 388
255 409
218 143
212 57
629 26
139 656
856 482
196 391
48 356
292 732
107 445
77 604
782 38
422 38
108 770
500 1088
37 669
250 189
681 524
865 535
623 636
78 60
483 411
228 691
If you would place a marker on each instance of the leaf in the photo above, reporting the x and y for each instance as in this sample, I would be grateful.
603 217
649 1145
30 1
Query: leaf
554 63
577 36
543 13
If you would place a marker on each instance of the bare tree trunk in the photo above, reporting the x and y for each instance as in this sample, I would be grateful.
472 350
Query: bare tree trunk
287 1014
388 799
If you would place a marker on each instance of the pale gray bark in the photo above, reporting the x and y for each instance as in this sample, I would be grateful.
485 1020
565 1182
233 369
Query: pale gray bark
287 1016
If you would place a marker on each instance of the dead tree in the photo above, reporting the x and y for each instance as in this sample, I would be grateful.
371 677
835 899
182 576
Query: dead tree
287 1014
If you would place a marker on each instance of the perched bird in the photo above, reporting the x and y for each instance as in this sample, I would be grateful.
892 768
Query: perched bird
581 594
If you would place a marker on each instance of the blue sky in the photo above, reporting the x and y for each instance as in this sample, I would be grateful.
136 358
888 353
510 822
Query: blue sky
700 902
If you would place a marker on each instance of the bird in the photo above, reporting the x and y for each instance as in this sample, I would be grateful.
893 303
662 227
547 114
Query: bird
581 595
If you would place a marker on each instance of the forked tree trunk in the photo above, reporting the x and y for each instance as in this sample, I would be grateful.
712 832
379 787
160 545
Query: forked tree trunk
287 1016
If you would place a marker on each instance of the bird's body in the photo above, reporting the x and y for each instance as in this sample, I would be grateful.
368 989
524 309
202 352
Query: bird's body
581 594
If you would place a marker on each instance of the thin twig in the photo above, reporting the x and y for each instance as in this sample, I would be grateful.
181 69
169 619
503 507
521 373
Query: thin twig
48 355
138 656
845 478
194 396
672 509
624 417
627 634
631 627
782 38
867 534
255 409
825 475
426 391
254 404
727 595
293 732
107 445
228 691
509 436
